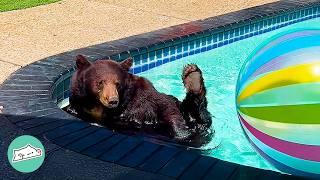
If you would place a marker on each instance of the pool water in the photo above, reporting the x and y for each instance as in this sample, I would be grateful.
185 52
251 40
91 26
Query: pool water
220 69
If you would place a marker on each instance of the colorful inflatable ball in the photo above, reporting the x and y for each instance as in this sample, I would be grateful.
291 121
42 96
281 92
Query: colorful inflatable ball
278 101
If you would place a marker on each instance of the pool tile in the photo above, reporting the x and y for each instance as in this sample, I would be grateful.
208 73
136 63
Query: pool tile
137 70
152 55
159 54
152 65
179 48
185 54
185 47
123 56
144 58
59 88
166 52
197 51
166 60
203 41
137 60
66 83
66 94
159 63
198 42
191 45
214 38
145 67
215 45
220 36
237 32
115 57
179 56
209 40
241 30
172 50
246 29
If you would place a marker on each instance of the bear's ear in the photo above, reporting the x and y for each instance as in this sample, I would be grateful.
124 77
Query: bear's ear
126 64
82 62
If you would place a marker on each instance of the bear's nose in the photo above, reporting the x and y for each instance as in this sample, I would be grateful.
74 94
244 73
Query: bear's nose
113 101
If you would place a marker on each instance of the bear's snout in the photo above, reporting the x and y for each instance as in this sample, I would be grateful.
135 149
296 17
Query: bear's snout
110 102
109 96
113 102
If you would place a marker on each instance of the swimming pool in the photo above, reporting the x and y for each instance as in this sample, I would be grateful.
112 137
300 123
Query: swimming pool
220 68
224 41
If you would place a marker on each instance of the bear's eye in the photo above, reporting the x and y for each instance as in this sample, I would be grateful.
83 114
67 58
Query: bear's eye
100 83
117 84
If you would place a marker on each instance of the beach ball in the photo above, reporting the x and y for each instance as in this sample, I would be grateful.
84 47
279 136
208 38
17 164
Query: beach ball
278 101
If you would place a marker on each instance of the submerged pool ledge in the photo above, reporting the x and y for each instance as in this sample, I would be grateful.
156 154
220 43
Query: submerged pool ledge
34 91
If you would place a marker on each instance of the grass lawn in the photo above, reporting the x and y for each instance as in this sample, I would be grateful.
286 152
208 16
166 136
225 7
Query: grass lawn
8 5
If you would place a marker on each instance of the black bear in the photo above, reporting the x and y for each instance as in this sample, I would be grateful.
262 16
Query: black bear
104 92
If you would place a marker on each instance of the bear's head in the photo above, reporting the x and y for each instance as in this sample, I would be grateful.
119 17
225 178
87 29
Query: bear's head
103 79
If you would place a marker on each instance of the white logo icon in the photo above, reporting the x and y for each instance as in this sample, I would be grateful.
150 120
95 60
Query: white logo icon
25 153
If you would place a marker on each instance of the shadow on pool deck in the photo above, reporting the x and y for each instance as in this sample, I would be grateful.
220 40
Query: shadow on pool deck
62 163
76 149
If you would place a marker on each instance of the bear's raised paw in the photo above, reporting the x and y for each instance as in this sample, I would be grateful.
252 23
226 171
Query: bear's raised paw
192 79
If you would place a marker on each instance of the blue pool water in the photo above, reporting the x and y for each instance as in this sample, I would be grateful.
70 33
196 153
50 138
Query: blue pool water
220 69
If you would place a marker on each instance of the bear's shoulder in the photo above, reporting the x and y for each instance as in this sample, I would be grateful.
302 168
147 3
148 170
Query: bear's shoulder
141 83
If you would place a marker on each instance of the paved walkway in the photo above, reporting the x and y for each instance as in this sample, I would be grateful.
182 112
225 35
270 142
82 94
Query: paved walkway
31 34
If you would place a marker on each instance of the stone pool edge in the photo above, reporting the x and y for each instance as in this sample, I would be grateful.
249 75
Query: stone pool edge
33 109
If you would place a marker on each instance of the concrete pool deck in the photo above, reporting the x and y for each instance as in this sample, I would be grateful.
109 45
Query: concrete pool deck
35 33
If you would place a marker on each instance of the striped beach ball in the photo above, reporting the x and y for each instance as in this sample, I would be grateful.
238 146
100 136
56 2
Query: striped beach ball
278 101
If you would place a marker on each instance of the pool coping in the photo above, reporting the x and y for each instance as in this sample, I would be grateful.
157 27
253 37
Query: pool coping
34 109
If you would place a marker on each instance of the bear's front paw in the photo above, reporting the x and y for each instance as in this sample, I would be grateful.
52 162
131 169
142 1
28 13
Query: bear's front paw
183 135
193 80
